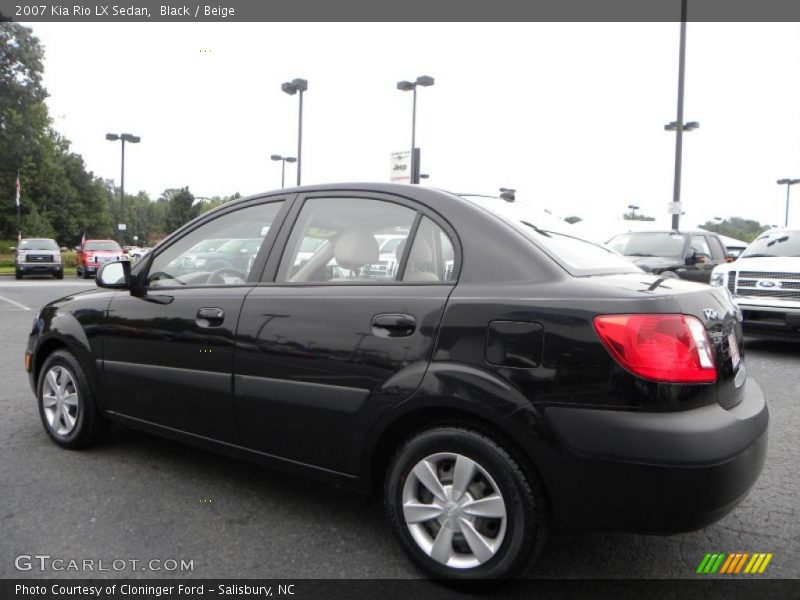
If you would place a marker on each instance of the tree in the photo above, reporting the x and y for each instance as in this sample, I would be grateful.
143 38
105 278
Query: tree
180 208
55 185
216 201
23 113
741 229
632 216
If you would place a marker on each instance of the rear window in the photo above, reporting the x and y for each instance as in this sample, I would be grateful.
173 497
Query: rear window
576 255
38 245
777 243
107 246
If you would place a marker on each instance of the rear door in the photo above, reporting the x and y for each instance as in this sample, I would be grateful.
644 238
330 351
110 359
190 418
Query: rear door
334 337
168 355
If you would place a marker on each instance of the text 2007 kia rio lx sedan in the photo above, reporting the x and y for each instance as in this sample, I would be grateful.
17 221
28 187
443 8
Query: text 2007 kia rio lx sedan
492 375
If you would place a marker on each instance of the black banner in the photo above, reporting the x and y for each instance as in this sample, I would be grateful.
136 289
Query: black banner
395 10
410 589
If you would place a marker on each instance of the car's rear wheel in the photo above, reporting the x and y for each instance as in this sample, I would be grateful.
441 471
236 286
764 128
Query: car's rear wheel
463 508
17 275
67 403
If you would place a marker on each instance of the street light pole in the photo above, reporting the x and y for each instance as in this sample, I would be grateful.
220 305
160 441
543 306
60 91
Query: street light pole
133 139
788 183
292 87
679 126
284 160
406 86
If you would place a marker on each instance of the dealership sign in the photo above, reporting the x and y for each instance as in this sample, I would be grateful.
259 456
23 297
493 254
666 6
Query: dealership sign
401 167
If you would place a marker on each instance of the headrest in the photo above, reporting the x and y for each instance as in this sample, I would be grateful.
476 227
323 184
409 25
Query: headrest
421 252
355 249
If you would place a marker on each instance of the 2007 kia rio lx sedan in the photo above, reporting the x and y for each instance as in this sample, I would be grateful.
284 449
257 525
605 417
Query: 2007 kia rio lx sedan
491 376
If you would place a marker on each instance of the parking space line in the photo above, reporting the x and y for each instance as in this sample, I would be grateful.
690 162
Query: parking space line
14 303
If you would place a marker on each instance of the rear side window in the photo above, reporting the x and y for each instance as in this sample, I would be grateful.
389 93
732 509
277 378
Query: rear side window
432 257
344 240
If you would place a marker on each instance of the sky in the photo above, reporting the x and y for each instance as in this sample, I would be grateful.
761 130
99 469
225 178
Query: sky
571 115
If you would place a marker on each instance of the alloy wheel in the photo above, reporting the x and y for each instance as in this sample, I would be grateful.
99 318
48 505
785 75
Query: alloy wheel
454 510
60 400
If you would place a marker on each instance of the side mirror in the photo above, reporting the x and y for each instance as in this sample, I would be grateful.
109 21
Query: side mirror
691 260
114 275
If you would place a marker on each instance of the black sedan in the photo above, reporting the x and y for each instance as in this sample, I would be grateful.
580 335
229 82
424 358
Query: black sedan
503 377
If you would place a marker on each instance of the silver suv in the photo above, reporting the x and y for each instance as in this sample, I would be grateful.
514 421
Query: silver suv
36 257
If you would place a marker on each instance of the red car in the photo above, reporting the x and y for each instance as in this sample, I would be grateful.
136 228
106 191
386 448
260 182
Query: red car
93 253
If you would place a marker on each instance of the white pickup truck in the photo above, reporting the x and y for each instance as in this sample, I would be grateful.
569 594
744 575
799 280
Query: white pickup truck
765 282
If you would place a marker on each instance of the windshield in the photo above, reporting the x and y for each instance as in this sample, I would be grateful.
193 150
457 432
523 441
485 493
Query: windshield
576 255
649 244
103 246
38 245
774 243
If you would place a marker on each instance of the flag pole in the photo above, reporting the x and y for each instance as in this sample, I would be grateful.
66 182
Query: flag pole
19 214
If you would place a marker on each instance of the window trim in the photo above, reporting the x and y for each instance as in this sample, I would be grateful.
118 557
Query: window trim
262 256
270 272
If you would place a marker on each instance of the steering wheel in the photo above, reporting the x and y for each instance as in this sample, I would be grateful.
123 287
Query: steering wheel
158 275
218 276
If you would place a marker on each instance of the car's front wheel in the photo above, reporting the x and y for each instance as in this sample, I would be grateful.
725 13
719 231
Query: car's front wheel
462 506
66 402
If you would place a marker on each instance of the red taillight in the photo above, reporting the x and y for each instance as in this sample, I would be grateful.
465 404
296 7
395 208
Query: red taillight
669 348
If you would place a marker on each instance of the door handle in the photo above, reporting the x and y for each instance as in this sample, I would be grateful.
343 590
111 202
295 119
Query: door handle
210 317
393 325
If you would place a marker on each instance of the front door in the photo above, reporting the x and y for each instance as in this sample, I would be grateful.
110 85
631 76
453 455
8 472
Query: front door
338 335
168 355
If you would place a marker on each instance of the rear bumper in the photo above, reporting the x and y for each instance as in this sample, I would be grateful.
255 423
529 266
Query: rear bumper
657 472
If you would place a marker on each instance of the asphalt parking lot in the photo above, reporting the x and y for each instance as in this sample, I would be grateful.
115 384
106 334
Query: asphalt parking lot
140 497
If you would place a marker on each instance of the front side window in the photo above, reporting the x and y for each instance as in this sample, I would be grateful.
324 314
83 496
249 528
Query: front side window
700 246
343 240
219 252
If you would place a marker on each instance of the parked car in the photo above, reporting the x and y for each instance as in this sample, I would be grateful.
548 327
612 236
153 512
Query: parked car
689 255
92 254
765 282
37 256
505 377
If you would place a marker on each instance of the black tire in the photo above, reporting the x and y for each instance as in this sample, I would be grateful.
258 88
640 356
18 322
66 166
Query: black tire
59 275
523 498
89 425
17 275
86 274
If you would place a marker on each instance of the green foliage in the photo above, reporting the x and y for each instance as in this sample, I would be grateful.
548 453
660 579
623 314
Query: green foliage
632 216
180 208
741 229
